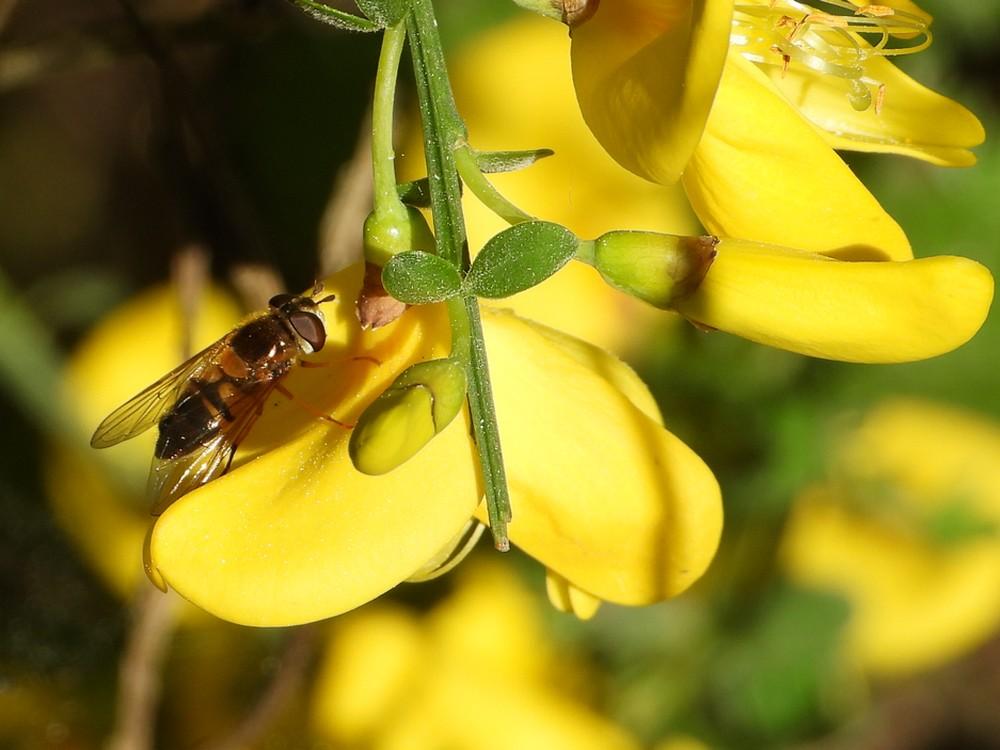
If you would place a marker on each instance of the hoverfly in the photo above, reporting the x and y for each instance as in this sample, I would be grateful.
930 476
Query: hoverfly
206 406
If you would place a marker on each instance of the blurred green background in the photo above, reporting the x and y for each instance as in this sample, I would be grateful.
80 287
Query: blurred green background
109 164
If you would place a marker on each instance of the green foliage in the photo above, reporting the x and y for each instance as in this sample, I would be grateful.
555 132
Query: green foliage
384 12
415 193
510 161
770 680
519 258
419 278
338 18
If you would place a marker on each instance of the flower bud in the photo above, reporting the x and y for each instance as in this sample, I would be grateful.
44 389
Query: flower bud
656 268
388 233
419 404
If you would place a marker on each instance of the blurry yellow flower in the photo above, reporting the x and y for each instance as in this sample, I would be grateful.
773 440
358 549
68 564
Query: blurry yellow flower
746 101
602 495
514 88
908 529
477 672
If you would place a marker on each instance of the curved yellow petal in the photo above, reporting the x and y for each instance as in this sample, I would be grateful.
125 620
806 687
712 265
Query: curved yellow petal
645 73
601 493
864 311
297 534
917 605
762 172
913 120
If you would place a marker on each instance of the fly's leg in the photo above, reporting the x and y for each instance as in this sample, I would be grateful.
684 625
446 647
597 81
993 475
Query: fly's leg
310 409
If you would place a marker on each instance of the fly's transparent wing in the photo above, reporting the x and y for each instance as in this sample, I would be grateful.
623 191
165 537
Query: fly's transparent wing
171 478
141 412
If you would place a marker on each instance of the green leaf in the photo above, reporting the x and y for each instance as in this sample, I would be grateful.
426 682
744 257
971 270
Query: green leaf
509 161
415 193
334 17
771 679
519 258
419 278
384 12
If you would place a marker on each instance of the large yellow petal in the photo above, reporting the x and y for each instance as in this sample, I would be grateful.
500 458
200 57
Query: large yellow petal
297 534
862 311
645 73
762 172
601 493
913 121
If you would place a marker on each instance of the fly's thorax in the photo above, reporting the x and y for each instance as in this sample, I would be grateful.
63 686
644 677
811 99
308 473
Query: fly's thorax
262 341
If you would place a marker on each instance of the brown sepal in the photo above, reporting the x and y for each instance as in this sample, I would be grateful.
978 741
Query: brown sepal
376 307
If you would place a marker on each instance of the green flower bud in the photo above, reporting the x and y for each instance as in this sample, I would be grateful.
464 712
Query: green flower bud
388 233
656 268
418 405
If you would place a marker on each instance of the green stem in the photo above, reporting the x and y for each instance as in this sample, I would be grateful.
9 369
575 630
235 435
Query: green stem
483 189
383 157
443 132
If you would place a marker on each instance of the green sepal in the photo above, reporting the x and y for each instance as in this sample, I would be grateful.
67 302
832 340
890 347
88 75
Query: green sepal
418 405
490 162
415 193
419 278
656 268
334 17
384 12
519 258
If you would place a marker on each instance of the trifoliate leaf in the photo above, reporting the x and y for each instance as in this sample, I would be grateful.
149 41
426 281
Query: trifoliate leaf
519 258
419 278
335 17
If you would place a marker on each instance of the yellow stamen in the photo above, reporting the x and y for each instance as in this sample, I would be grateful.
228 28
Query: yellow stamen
837 41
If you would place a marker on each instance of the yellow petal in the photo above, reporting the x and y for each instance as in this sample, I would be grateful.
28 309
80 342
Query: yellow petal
645 73
298 534
601 493
917 605
762 172
863 311
567 598
913 120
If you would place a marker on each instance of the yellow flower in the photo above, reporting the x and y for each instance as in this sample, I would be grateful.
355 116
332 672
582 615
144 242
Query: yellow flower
745 102
617 507
908 529
514 88
476 672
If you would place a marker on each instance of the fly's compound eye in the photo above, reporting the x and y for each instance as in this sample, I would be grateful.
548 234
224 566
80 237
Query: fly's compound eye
310 327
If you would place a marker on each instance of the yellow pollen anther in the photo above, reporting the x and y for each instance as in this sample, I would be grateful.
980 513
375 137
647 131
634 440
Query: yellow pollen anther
876 11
